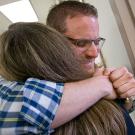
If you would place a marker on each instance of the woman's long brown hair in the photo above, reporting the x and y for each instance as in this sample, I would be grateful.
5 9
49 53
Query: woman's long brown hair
103 118
35 50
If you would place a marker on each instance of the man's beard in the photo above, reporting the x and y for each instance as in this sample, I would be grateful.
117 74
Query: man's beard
88 65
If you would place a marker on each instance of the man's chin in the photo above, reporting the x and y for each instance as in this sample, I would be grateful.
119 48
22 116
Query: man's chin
89 67
91 71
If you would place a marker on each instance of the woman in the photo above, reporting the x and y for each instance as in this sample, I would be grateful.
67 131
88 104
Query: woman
35 50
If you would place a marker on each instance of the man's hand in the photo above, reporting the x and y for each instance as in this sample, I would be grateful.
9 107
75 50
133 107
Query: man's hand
123 82
101 77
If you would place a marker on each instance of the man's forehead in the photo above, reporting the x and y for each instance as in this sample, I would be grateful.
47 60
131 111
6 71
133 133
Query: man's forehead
81 21
83 26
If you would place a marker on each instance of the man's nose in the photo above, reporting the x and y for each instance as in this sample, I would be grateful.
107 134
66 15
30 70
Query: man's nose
92 51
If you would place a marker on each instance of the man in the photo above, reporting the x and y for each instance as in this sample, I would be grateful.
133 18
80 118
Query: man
78 22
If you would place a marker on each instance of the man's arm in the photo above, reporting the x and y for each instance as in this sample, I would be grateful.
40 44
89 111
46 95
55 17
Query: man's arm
79 96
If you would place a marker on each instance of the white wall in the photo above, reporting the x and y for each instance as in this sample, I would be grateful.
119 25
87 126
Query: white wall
41 8
114 50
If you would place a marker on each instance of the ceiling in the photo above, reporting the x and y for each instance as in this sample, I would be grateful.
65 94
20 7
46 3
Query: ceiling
41 8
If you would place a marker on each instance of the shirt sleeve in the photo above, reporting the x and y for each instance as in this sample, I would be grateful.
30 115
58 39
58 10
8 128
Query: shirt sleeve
40 102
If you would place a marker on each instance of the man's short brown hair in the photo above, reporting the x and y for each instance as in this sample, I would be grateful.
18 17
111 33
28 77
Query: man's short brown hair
58 13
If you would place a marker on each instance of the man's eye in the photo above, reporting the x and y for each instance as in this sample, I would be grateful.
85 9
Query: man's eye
82 43
96 42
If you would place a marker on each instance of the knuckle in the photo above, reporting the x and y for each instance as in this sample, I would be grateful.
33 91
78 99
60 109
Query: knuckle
133 81
133 84
129 75
119 91
112 77
122 96
125 95
115 85
124 69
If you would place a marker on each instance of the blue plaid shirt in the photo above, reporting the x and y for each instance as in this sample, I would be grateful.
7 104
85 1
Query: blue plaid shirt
28 108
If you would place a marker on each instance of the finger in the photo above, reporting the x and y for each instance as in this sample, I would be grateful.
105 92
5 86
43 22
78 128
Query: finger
107 71
127 78
117 73
125 87
129 93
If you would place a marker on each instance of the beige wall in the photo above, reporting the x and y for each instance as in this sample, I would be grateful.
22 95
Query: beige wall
41 8
125 15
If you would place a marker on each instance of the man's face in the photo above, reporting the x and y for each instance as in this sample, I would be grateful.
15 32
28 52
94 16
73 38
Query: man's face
84 28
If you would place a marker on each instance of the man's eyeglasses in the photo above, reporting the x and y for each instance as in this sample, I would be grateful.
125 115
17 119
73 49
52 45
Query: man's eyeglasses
84 42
